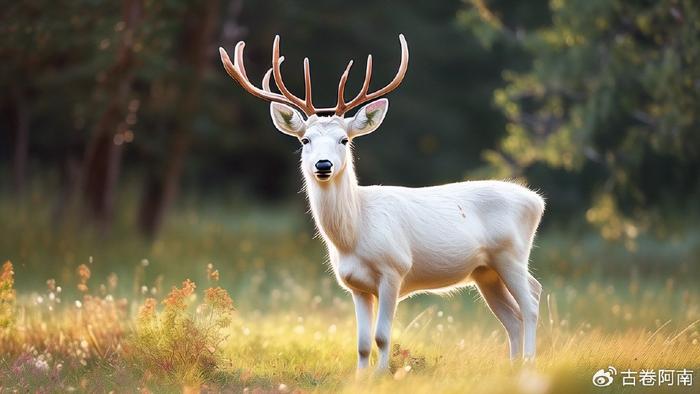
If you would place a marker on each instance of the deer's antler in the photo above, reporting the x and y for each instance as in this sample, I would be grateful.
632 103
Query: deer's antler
237 71
342 107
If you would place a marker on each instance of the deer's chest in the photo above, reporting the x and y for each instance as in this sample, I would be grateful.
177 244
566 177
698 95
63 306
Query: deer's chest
355 274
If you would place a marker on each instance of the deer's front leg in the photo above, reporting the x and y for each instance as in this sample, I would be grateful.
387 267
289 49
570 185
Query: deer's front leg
364 303
388 297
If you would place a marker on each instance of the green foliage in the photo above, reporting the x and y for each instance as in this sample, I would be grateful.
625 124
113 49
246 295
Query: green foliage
613 86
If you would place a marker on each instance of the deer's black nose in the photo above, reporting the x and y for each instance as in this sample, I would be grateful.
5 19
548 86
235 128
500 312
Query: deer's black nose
324 166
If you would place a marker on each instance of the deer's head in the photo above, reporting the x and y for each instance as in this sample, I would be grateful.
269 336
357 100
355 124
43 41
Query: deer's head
325 139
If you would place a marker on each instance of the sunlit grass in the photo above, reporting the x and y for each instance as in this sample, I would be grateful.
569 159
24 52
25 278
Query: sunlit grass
76 321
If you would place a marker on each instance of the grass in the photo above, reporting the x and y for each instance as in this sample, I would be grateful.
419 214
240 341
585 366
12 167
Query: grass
118 324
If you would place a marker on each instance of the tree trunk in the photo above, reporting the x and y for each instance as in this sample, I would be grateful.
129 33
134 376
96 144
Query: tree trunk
103 154
161 186
160 189
21 149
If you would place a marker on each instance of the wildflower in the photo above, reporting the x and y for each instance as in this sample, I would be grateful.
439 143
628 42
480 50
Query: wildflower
148 309
7 278
83 275
212 274
7 293
218 298
78 304
83 272
177 296
41 365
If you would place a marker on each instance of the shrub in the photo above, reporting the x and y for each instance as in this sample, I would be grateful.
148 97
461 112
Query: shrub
181 342
7 295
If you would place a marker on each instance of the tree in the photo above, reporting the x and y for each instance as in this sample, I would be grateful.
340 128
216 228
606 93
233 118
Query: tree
612 94
104 150
200 23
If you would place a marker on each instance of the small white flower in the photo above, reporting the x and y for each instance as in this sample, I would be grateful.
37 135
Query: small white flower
78 304
41 365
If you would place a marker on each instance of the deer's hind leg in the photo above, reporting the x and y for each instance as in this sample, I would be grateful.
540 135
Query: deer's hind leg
525 290
503 306
535 287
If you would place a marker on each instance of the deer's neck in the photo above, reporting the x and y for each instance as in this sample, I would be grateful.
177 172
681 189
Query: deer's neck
336 207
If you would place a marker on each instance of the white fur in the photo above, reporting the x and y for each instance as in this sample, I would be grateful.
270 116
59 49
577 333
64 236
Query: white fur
386 243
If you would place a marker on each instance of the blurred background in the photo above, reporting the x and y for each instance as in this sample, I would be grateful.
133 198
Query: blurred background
124 141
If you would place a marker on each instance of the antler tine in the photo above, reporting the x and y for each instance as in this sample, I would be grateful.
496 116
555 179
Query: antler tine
266 81
365 85
363 96
341 89
237 72
400 74
238 58
266 77
304 105
307 85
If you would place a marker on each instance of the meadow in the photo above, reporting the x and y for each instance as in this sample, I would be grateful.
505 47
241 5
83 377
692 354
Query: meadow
236 297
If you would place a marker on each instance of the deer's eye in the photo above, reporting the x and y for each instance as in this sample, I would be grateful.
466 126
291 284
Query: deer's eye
305 141
344 141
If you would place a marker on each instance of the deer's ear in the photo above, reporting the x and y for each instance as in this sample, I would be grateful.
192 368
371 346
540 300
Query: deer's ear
368 118
287 119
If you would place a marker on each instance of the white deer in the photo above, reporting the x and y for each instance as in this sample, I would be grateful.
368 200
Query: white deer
386 243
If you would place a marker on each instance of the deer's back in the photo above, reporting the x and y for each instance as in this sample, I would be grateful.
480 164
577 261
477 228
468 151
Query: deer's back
446 231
